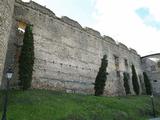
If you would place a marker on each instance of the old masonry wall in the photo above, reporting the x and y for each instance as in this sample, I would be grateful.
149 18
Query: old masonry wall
68 57
151 65
6 12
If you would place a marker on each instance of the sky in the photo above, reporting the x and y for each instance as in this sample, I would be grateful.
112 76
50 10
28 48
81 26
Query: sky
136 23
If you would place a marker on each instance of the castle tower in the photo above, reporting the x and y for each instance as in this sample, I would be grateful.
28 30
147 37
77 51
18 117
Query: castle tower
6 12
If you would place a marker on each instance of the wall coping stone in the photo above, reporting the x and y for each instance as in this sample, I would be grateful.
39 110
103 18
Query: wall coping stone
93 32
123 46
37 7
109 39
133 51
70 22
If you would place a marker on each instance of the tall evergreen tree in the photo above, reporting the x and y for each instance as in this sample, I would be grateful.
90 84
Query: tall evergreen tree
26 59
147 84
126 84
135 81
101 77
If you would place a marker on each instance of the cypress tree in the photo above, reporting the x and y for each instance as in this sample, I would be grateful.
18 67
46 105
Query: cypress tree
147 84
126 84
101 77
135 81
26 59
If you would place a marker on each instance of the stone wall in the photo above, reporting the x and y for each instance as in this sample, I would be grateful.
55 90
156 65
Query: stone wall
151 65
6 12
68 57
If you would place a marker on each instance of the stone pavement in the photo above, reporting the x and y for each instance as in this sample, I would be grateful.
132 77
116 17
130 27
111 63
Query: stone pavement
155 119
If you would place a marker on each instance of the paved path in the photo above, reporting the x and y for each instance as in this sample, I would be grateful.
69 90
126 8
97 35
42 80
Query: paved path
155 119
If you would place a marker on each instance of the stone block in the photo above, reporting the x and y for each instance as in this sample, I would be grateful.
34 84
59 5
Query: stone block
92 32
71 22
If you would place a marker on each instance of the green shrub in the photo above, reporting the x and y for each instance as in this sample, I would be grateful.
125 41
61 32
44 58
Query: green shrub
147 84
101 77
126 84
135 81
26 59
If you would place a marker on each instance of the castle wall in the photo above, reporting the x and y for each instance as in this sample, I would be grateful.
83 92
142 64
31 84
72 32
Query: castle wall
151 65
68 57
6 12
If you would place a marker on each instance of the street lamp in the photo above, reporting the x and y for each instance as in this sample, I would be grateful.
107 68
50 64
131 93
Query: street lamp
153 108
9 74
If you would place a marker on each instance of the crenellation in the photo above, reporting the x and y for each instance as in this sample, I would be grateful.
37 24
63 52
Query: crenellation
92 32
67 56
133 51
109 39
121 45
71 22
37 7
75 24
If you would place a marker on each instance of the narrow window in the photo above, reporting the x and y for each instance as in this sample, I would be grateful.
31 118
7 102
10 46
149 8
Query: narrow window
126 63
116 59
118 74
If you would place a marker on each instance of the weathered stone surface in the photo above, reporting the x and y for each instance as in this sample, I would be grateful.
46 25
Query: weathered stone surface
155 119
68 57
71 22
123 46
133 51
6 12
109 40
92 32
37 7
151 65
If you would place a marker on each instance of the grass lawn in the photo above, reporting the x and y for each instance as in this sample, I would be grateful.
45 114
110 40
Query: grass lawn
50 105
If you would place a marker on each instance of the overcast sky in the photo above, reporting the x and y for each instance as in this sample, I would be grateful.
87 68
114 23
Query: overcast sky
135 23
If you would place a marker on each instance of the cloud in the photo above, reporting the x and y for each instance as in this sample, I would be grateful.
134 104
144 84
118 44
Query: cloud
148 19
143 12
119 19
154 8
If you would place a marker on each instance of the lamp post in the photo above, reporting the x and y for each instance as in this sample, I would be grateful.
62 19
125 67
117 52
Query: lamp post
153 108
9 74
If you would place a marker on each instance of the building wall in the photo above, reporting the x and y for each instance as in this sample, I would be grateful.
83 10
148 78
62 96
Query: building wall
6 12
151 65
68 57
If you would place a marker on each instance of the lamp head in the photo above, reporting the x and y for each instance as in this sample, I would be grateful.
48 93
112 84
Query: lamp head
9 73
